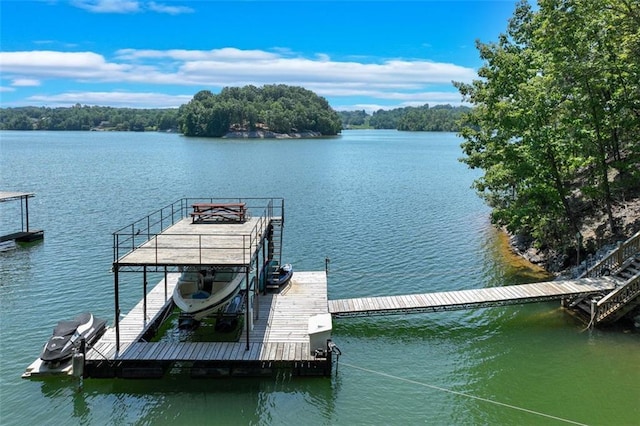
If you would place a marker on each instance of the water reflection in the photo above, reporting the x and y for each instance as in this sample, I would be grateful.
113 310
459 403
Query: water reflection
204 401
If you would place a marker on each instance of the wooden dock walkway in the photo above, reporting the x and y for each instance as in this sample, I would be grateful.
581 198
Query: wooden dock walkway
468 299
279 337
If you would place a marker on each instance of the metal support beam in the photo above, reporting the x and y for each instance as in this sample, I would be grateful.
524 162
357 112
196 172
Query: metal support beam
247 317
144 295
116 289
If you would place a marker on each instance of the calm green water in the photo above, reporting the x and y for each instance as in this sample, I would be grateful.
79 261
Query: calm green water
395 214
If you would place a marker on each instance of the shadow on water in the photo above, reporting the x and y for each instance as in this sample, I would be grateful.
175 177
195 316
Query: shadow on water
231 400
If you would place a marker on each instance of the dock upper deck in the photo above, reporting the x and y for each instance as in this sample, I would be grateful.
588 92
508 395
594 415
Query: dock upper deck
200 243
173 236
14 195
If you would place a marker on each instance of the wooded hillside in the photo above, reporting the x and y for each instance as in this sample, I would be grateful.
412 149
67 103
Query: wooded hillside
556 121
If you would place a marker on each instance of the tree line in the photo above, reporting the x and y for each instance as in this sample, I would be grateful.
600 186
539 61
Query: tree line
439 118
79 117
234 108
556 118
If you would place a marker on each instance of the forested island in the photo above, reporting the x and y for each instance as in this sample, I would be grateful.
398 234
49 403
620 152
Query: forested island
277 109
270 110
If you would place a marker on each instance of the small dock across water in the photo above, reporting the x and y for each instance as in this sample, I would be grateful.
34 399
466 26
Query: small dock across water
26 234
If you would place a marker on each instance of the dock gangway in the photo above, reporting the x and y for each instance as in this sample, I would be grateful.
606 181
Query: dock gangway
473 298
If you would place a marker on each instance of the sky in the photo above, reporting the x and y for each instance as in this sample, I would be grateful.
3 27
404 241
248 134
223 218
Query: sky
359 55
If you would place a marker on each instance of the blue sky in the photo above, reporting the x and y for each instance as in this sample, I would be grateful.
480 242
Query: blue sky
157 54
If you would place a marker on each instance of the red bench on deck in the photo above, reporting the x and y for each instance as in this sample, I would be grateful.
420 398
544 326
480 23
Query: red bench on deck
233 212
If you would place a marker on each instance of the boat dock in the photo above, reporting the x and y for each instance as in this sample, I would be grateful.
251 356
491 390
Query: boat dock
287 331
279 339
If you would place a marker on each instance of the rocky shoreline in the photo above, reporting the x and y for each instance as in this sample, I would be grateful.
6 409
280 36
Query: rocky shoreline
267 134
560 265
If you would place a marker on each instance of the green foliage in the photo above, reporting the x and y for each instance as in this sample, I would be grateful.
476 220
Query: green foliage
277 108
440 118
354 119
87 118
556 117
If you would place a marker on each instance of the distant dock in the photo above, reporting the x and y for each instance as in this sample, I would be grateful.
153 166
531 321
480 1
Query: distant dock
26 234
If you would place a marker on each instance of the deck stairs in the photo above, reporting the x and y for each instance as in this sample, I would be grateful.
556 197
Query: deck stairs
275 248
278 231
623 263
624 299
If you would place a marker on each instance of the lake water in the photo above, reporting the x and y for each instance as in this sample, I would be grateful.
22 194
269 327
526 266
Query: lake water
394 213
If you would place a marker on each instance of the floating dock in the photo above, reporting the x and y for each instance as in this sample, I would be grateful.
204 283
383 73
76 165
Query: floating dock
279 339
288 330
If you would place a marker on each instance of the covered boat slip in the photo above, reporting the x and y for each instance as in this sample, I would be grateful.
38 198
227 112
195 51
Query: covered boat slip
279 337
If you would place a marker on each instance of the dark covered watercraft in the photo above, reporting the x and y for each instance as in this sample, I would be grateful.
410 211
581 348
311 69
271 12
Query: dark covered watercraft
280 276
68 334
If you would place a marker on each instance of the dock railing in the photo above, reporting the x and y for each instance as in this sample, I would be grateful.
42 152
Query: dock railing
616 259
614 305
138 234
619 301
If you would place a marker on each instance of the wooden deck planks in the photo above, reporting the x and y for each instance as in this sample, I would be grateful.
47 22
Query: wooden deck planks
201 243
133 325
549 290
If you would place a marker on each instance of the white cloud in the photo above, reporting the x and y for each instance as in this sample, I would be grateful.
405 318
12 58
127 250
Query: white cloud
171 10
108 6
416 81
128 6
114 98
229 54
25 82
49 64
7 89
